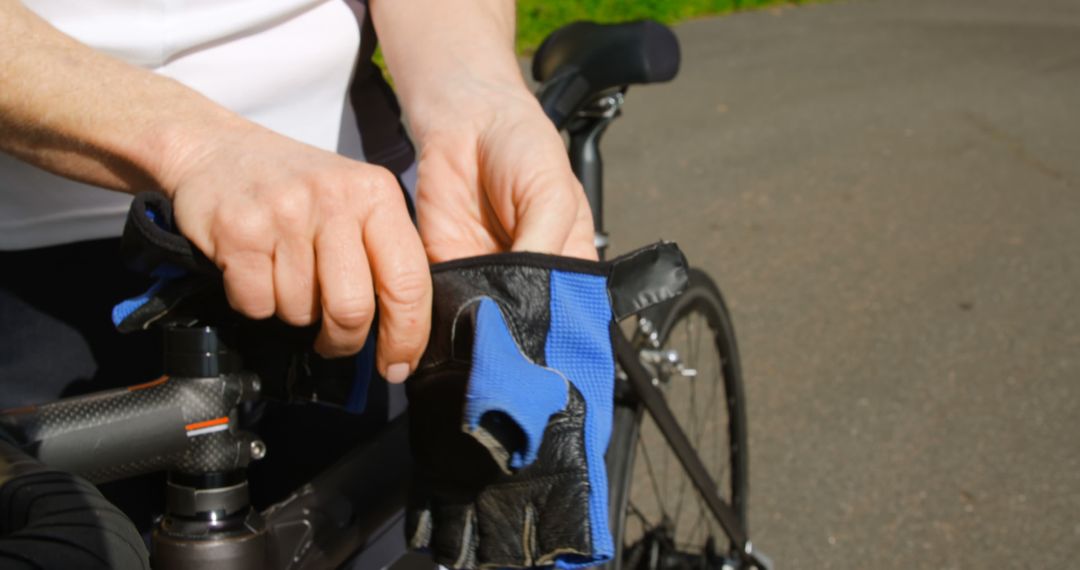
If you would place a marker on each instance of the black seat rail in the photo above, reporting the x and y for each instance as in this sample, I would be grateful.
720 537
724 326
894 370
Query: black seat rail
584 70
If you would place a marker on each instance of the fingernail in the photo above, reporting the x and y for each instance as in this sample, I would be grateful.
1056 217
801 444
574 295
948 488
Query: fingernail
397 373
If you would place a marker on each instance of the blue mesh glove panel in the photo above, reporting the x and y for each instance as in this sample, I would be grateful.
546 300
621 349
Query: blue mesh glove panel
499 370
579 344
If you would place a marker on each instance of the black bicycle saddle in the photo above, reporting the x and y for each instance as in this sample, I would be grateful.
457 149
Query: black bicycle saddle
583 59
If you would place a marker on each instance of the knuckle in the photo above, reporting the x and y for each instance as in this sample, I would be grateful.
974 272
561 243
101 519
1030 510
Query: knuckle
351 314
290 210
408 343
577 191
408 289
381 178
246 231
330 187
405 325
352 191
570 193
382 187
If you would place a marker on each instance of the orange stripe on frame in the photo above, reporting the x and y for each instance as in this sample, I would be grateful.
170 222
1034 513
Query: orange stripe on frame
207 423
22 410
149 384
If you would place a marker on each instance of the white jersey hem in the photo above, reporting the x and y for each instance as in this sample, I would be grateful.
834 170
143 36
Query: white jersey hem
65 227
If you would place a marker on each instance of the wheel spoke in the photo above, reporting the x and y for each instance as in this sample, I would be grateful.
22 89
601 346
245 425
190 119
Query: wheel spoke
637 512
697 523
691 340
697 423
678 506
695 437
652 476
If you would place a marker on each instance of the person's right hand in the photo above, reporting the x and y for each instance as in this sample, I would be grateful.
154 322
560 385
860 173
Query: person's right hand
302 233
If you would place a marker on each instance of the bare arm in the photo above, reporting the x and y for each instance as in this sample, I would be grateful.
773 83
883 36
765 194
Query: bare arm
297 231
83 115
438 50
494 175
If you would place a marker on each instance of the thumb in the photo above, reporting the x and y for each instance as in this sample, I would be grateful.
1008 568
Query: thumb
546 215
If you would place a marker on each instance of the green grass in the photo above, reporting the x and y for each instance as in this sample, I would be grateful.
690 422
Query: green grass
537 18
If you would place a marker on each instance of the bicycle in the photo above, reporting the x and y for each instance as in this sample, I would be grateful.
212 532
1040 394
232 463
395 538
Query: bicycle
349 515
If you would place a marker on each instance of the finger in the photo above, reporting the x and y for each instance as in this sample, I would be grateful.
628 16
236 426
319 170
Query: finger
581 242
295 293
452 218
545 217
403 286
344 285
249 283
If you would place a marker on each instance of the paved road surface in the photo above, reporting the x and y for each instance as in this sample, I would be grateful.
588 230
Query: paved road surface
889 195
888 192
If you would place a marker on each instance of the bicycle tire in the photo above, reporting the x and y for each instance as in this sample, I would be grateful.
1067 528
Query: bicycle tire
702 298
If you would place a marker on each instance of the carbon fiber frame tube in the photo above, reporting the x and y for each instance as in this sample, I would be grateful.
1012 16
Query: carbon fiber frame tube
182 424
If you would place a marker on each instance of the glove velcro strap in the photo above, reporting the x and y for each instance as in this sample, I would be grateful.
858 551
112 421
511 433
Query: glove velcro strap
635 281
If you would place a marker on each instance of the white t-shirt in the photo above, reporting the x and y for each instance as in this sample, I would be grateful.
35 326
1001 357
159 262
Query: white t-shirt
284 64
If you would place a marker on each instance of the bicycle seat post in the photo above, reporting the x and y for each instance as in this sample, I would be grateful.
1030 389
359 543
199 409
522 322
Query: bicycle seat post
585 130
209 522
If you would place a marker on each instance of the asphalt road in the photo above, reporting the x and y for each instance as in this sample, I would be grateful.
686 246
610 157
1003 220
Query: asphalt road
888 193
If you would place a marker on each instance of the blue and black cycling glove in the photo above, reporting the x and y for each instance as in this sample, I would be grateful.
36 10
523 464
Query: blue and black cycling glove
511 407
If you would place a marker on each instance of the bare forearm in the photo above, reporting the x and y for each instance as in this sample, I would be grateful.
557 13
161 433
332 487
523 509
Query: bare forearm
81 114
439 51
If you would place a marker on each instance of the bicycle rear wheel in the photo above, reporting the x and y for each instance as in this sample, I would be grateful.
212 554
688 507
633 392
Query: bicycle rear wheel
658 519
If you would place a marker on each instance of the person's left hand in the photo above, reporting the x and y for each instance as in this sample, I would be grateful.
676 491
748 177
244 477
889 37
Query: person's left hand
495 177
